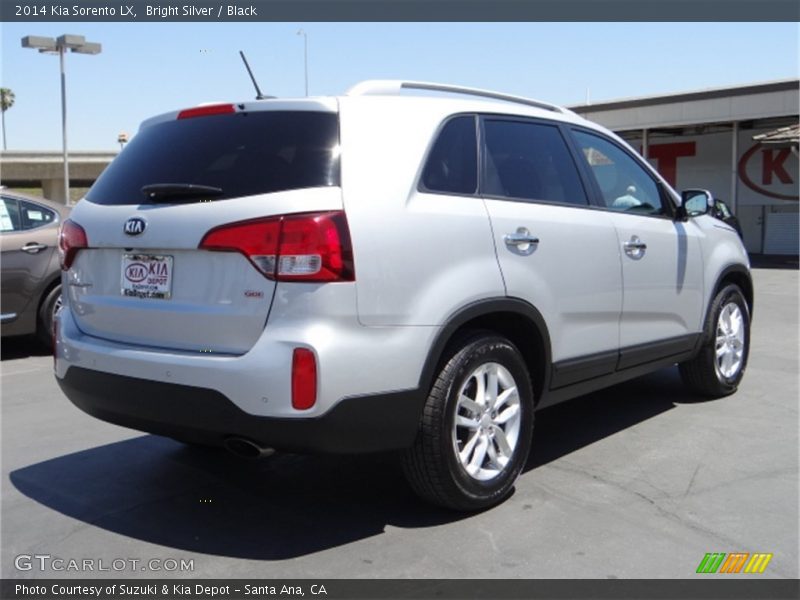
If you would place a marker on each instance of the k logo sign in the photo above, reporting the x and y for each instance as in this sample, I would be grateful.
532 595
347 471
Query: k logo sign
771 172
135 226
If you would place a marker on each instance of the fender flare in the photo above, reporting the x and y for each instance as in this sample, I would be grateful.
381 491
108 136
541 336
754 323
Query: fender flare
482 308
749 294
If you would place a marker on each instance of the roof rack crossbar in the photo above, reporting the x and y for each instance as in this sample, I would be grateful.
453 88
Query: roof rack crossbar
393 87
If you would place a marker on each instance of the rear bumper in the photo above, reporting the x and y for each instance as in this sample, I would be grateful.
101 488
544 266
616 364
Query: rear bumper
352 360
354 425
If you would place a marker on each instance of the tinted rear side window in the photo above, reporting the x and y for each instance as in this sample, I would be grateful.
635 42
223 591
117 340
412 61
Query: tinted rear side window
242 153
34 216
530 161
452 165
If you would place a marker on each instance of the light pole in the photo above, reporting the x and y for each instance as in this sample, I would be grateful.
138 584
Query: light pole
60 45
305 55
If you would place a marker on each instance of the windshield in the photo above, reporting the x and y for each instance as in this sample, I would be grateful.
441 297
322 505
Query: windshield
240 154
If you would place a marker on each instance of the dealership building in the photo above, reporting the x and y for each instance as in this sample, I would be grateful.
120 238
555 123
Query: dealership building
739 142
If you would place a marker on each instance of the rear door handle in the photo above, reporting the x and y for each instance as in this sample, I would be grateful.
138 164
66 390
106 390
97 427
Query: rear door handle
521 241
33 247
518 239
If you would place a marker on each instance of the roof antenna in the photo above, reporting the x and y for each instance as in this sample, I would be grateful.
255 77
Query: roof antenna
259 95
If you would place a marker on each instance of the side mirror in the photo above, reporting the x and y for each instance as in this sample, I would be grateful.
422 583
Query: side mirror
695 203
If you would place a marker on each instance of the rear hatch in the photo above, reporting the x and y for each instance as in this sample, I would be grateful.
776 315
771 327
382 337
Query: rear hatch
143 278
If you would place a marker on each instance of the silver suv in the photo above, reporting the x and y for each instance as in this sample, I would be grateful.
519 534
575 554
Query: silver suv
388 270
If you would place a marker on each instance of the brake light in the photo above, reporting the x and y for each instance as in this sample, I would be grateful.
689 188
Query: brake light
304 379
206 111
71 238
312 247
315 247
257 240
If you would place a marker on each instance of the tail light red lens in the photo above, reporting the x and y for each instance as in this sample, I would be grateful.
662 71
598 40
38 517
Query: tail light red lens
206 111
257 240
304 379
71 238
315 247
312 247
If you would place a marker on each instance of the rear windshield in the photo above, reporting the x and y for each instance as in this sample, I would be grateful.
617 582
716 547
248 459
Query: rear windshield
242 154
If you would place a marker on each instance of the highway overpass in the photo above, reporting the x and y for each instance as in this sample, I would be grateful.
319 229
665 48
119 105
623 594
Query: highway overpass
45 169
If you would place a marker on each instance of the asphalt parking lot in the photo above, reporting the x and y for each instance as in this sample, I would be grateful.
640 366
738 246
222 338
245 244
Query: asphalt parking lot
638 481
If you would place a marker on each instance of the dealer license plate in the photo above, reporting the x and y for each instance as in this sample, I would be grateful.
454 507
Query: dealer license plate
147 276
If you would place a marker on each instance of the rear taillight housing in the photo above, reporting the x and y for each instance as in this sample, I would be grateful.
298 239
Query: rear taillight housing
312 247
71 238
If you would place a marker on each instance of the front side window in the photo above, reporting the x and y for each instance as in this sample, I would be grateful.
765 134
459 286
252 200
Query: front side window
530 161
625 186
452 165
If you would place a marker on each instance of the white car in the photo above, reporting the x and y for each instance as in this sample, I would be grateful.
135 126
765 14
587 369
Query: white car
388 270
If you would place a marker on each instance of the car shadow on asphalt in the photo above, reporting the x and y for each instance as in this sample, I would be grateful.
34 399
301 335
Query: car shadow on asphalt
207 501
566 427
22 347
762 261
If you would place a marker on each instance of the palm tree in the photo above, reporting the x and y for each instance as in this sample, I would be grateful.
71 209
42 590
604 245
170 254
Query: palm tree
6 102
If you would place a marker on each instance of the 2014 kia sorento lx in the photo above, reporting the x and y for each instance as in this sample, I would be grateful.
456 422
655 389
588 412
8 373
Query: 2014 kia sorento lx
388 270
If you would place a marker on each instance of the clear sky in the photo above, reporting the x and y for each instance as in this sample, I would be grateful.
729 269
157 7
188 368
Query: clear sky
150 68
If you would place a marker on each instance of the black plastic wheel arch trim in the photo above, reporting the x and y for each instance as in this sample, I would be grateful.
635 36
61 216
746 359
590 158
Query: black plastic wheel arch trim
483 308
749 294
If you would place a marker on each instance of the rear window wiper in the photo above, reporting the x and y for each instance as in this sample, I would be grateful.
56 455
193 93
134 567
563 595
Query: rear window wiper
177 192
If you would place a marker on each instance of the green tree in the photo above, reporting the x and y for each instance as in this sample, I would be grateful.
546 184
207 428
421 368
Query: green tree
6 102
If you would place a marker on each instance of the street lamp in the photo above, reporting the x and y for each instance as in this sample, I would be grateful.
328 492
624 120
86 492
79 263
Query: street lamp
60 45
305 54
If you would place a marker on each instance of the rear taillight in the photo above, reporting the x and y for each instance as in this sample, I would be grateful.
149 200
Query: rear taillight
71 238
257 240
315 247
206 111
304 379
305 247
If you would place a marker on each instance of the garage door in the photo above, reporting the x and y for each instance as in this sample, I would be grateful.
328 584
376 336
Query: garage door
782 235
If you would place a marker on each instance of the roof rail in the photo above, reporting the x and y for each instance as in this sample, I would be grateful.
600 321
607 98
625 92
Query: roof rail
393 87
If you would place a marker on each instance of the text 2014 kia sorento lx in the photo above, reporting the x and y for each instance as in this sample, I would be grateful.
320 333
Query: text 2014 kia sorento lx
388 271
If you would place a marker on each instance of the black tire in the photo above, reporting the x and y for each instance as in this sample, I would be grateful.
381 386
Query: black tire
703 374
432 465
47 310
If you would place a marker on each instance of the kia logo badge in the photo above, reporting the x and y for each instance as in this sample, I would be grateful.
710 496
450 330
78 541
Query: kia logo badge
135 226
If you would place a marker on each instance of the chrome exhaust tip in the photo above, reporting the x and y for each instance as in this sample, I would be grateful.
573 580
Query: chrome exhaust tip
245 448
